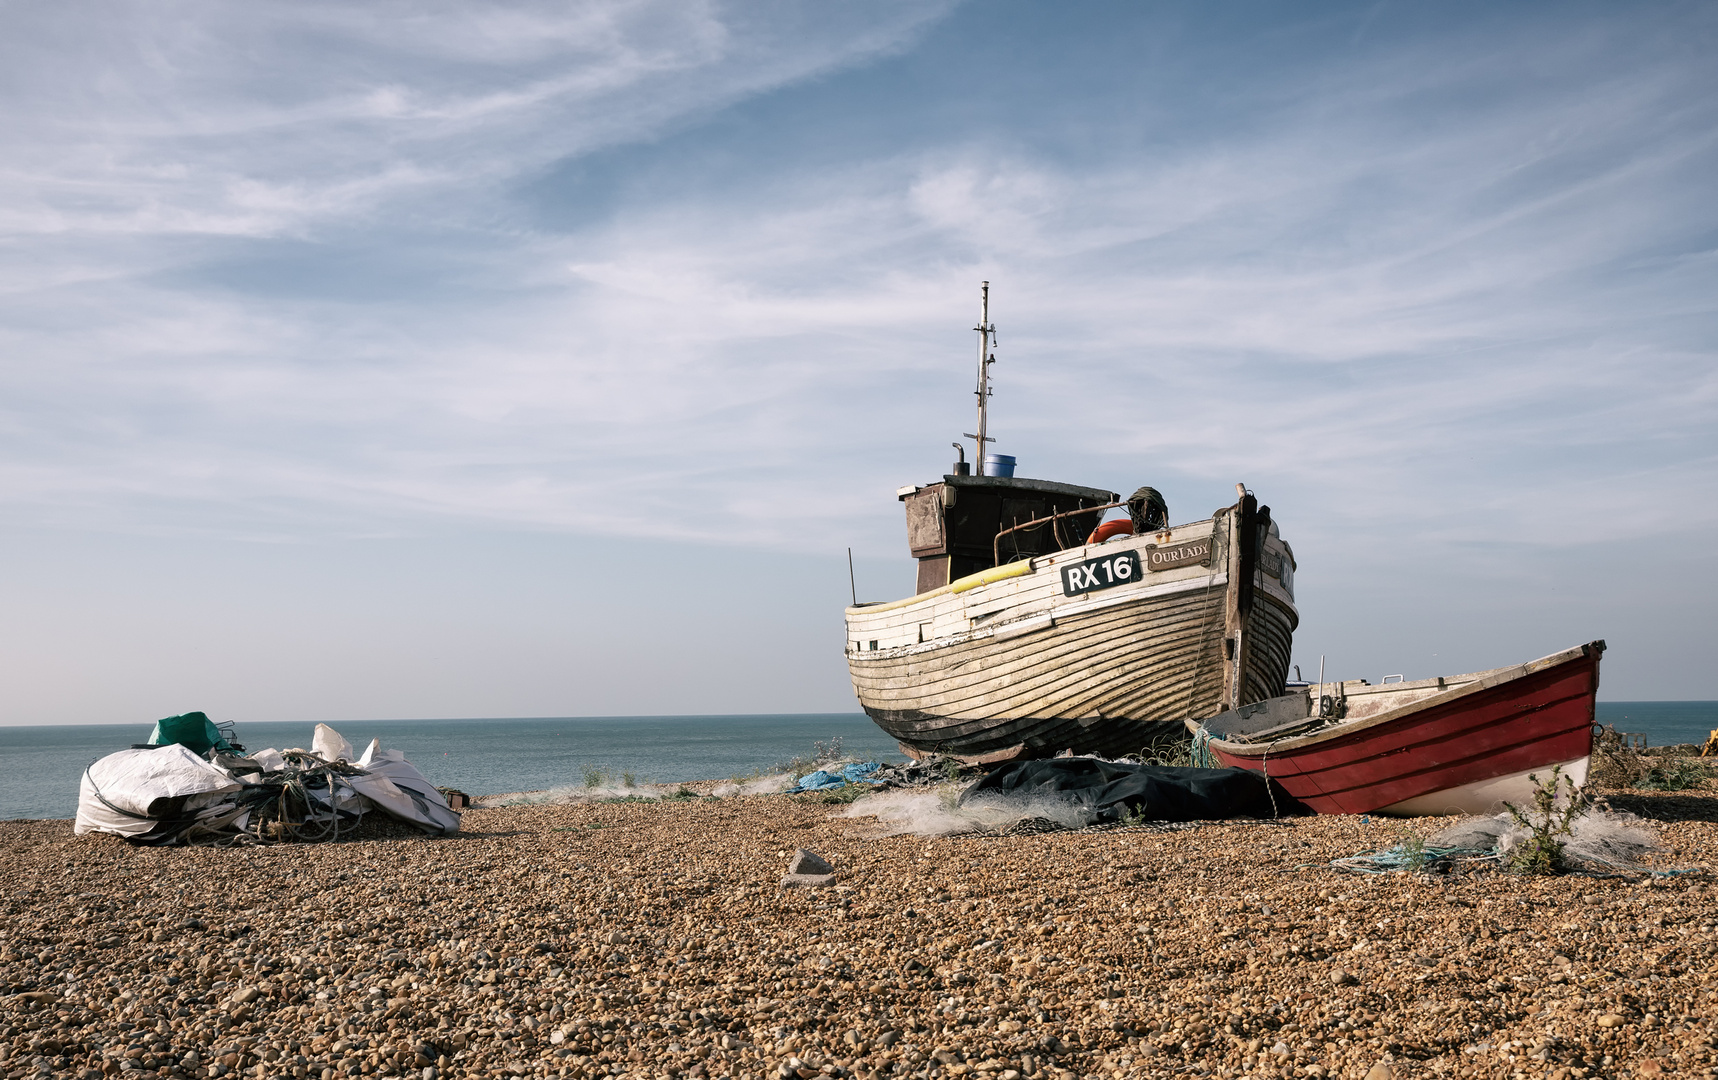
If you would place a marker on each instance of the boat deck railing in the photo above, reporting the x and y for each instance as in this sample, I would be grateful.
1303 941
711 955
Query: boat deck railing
1055 530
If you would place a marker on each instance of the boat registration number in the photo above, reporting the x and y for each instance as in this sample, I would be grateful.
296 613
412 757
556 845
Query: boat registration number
1104 573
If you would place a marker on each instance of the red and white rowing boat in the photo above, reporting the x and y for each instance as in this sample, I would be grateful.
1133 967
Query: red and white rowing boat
1454 745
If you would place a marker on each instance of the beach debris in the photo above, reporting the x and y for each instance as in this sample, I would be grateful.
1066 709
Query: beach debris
1620 762
940 812
169 794
808 862
456 799
771 784
1065 793
834 776
808 870
1113 791
1599 841
195 731
330 745
133 792
928 771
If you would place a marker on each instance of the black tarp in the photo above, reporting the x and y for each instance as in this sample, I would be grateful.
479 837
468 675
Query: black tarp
1109 791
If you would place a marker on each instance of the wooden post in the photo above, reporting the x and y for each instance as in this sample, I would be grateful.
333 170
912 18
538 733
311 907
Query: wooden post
1243 560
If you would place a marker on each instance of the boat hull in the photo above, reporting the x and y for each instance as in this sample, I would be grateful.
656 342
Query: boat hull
1490 795
1462 751
1109 683
1016 669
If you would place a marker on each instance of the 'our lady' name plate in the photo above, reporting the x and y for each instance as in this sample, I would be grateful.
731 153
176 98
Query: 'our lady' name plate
1186 553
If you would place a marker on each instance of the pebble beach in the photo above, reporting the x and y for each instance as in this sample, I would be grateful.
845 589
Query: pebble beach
654 939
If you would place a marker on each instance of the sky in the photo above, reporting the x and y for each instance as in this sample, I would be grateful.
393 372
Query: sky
477 360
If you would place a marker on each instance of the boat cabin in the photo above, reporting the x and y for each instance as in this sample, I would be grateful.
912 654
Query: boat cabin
953 525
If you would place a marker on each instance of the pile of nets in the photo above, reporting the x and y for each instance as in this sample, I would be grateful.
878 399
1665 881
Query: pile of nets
1027 798
1600 841
1104 792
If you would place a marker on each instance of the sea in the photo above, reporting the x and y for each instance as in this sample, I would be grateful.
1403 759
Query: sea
40 766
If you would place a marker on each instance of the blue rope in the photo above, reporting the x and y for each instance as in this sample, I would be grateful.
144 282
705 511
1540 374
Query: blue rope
1200 753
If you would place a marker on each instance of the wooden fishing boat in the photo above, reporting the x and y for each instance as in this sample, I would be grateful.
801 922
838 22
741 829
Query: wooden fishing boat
1461 744
1034 631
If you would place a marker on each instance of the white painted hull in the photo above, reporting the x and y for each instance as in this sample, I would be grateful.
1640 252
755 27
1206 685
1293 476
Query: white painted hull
1487 796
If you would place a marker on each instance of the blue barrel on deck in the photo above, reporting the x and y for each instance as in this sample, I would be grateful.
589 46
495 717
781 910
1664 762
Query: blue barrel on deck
999 465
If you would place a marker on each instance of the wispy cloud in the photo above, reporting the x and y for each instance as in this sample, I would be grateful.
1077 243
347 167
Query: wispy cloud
287 272
203 119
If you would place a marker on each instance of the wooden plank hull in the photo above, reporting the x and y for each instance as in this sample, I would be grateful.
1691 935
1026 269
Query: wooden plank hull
1446 751
1014 668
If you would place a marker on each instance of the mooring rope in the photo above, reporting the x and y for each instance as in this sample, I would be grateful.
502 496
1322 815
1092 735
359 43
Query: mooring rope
1200 754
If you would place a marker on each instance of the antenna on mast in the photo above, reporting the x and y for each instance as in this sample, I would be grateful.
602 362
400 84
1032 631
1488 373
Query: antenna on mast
986 340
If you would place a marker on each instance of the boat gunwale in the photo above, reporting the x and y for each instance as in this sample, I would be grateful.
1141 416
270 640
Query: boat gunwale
1033 563
1488 680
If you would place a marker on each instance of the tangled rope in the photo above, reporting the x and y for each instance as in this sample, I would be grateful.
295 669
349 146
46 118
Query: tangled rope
1200 755
301 802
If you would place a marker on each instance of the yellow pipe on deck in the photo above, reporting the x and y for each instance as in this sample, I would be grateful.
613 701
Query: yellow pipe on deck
994 574
959 585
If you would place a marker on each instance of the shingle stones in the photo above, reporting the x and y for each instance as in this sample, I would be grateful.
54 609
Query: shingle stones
603 939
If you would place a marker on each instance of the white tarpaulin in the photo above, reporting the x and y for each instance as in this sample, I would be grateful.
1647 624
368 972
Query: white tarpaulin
118 790
408 794
330 745
170 795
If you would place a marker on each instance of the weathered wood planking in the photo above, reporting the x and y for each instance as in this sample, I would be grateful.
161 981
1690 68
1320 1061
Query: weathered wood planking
1015 663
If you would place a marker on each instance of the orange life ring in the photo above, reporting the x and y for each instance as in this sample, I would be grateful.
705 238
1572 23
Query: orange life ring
1118 527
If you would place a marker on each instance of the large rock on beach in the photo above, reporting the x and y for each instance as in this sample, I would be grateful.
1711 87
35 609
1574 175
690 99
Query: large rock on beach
809 862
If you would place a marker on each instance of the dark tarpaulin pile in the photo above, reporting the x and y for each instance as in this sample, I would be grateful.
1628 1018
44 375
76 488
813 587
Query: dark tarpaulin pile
1110 791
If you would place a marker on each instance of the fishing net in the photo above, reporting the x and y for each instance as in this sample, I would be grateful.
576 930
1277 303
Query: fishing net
1600 841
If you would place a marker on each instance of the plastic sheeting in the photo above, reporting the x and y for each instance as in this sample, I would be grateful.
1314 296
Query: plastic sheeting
128 793
193 729
1109 791
169 795
834 777
395 785
330 745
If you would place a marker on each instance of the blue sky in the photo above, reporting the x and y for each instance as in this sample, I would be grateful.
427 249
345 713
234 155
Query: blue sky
407 359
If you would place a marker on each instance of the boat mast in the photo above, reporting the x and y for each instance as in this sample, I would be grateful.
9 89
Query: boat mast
986 339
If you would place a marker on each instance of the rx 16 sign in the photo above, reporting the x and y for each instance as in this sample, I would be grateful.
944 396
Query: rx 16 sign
1104 573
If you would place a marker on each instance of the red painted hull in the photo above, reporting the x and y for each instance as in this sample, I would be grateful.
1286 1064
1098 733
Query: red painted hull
1539 719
